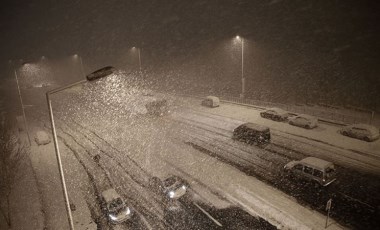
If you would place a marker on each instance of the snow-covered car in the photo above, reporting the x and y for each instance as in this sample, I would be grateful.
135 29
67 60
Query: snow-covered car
303 120
172 187
252 133
361 131
211 101
312 169
115 208
275 114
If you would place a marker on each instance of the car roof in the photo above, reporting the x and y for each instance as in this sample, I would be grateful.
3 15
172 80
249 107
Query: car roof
370 128
278 110
212 98
307 116
255 126
316 162
110 195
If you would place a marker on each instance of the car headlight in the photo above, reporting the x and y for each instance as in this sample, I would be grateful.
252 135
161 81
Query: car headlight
113 217
171 194
128 211
183 186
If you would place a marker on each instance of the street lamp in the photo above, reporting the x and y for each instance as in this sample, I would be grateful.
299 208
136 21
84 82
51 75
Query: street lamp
91 77
242 95
23 109
139 52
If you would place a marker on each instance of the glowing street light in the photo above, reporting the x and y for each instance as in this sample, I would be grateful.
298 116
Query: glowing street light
242 95
101 73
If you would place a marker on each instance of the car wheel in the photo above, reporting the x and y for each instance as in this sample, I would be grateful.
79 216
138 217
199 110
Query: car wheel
344 133
263 115
307 127
366 139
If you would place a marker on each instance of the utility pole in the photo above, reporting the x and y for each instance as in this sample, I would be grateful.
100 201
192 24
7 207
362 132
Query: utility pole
140 59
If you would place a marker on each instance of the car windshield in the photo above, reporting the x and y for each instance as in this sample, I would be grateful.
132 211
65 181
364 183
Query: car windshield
170 181
194 114
116 204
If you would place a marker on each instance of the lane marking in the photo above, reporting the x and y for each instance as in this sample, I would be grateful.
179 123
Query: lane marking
208 215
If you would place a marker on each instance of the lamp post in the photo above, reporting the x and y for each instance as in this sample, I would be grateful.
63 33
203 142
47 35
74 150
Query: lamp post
91 77
23 109
242 95
139 53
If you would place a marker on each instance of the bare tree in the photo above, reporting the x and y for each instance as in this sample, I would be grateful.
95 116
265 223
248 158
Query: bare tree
12 153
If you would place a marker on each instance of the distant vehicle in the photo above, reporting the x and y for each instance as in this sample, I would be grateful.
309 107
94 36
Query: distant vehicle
275 114
157 107
172 187
211 101
114 206
312 169
303 120
252 133
361 131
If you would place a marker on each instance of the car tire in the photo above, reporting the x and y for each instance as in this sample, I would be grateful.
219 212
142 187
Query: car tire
344 133
307 127
366 139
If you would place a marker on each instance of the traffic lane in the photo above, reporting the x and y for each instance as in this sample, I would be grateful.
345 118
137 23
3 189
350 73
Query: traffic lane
366 163
330 134
202 216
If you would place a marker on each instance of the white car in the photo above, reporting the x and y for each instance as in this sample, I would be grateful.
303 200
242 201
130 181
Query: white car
361 131
275 114
303 120
114 206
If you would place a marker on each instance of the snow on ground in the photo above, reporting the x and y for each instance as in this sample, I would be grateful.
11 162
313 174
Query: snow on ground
26 206
45 165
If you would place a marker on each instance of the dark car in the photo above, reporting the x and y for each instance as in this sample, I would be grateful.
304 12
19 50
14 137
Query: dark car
172 187
252 133
157 107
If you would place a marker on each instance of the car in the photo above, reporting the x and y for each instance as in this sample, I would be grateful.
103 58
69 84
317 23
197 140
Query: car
115 207
312 169
275 114
172 187
303 120
211 102
361 131
252 133
157 107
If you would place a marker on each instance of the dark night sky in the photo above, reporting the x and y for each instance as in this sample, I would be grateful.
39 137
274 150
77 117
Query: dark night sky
103 31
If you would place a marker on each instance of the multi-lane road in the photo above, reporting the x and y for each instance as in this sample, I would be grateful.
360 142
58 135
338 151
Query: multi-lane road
124 150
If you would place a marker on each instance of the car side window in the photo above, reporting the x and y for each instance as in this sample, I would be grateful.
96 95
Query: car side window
308 170
318 173
298 167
